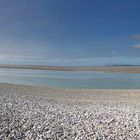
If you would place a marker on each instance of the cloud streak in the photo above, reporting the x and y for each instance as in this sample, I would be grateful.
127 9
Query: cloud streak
137 46
136 37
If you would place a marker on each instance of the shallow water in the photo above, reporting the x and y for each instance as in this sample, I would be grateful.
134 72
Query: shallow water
73 79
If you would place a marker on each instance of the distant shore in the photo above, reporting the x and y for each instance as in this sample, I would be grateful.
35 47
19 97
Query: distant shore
113 69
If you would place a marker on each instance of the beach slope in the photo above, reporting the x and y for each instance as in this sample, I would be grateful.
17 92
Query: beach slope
28 112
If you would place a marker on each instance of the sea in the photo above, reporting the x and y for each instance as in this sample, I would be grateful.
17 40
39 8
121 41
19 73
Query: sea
70 79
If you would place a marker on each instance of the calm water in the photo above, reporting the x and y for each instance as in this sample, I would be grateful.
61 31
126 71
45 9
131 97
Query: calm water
61 79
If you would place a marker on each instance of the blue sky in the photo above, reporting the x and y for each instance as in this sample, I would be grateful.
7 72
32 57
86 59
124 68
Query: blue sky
69 29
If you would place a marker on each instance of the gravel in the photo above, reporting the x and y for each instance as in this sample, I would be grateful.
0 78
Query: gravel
32 117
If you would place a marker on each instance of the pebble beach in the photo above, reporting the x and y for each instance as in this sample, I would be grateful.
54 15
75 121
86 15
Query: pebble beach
37 113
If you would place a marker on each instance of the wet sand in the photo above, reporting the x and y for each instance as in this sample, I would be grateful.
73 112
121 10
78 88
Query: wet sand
28 112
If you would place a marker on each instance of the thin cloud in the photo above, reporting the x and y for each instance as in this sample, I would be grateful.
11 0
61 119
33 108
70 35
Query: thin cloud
135 37
136 46
114 52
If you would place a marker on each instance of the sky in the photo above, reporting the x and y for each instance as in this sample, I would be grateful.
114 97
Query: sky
54 31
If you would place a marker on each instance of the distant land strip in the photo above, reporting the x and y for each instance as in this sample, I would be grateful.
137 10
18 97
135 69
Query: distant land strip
113 69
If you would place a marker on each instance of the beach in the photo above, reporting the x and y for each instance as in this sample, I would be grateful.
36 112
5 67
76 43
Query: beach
29 112
69 70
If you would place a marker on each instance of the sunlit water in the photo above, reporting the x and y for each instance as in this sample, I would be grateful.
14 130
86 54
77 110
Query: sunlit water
66 79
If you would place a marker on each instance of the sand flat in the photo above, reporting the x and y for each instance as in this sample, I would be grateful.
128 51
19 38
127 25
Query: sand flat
113 69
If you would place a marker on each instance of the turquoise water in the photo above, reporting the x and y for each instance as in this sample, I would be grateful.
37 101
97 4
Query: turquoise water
61 79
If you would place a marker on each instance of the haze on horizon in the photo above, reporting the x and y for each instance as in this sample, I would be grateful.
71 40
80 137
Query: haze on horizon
60 32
